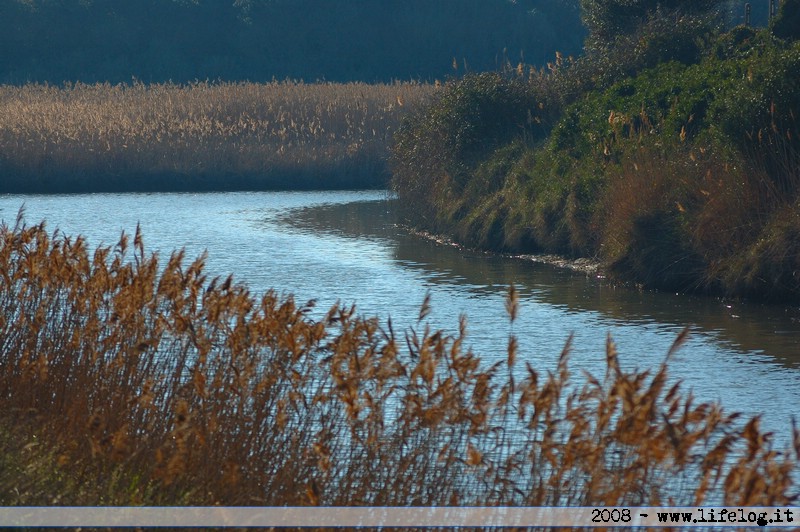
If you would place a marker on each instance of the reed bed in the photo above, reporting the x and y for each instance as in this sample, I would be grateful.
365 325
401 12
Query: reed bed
690 217
128 380
285 134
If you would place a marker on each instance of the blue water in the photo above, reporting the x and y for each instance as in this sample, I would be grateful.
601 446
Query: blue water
347 247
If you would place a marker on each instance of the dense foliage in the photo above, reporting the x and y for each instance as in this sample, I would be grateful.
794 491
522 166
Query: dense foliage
608 20
673 158
259 40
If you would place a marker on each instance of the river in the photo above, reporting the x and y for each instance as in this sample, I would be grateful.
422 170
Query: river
348 247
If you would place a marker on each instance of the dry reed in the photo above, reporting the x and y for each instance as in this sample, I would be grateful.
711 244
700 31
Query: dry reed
125 380
686 216
199 136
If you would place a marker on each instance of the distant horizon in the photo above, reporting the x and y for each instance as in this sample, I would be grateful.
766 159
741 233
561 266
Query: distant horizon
156 41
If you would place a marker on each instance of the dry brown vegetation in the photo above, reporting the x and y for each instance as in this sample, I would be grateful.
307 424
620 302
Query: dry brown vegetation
199 136
125 380
692 217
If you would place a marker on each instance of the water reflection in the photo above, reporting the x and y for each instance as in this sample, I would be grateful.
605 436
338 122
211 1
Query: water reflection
750 328
346 246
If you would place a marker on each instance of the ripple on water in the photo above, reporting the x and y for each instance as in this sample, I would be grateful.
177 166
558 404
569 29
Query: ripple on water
349 247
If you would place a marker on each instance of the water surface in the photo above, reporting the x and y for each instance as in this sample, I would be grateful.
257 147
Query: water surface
347 247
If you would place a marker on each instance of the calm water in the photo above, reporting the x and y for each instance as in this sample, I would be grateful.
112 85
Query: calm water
345 246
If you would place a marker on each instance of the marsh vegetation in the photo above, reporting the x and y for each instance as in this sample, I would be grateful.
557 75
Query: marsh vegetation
200 136
132 380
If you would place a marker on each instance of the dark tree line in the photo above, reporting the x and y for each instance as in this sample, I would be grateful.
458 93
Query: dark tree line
257 40
607 20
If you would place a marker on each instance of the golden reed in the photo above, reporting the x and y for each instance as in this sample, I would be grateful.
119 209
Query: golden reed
126 379
201 135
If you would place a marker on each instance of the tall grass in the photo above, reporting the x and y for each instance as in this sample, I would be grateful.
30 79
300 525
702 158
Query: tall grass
128 380
199 136
687 216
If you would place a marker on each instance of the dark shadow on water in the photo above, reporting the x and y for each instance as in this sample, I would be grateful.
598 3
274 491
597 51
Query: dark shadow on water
755 328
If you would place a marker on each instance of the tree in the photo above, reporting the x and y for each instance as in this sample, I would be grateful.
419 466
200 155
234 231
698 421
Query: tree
787 23
606 20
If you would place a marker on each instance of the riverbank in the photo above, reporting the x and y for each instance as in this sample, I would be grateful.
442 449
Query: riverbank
132 382
675 166
583 265
200 136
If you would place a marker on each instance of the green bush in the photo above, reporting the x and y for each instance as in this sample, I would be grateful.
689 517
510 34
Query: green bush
608 20
437 149
679 172
483 111
758 91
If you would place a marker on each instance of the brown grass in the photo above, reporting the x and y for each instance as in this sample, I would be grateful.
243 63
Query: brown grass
127 380
199 136
687 216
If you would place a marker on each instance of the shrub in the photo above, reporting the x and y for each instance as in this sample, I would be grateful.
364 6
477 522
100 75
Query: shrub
645 218
610 20
720 128
437 149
